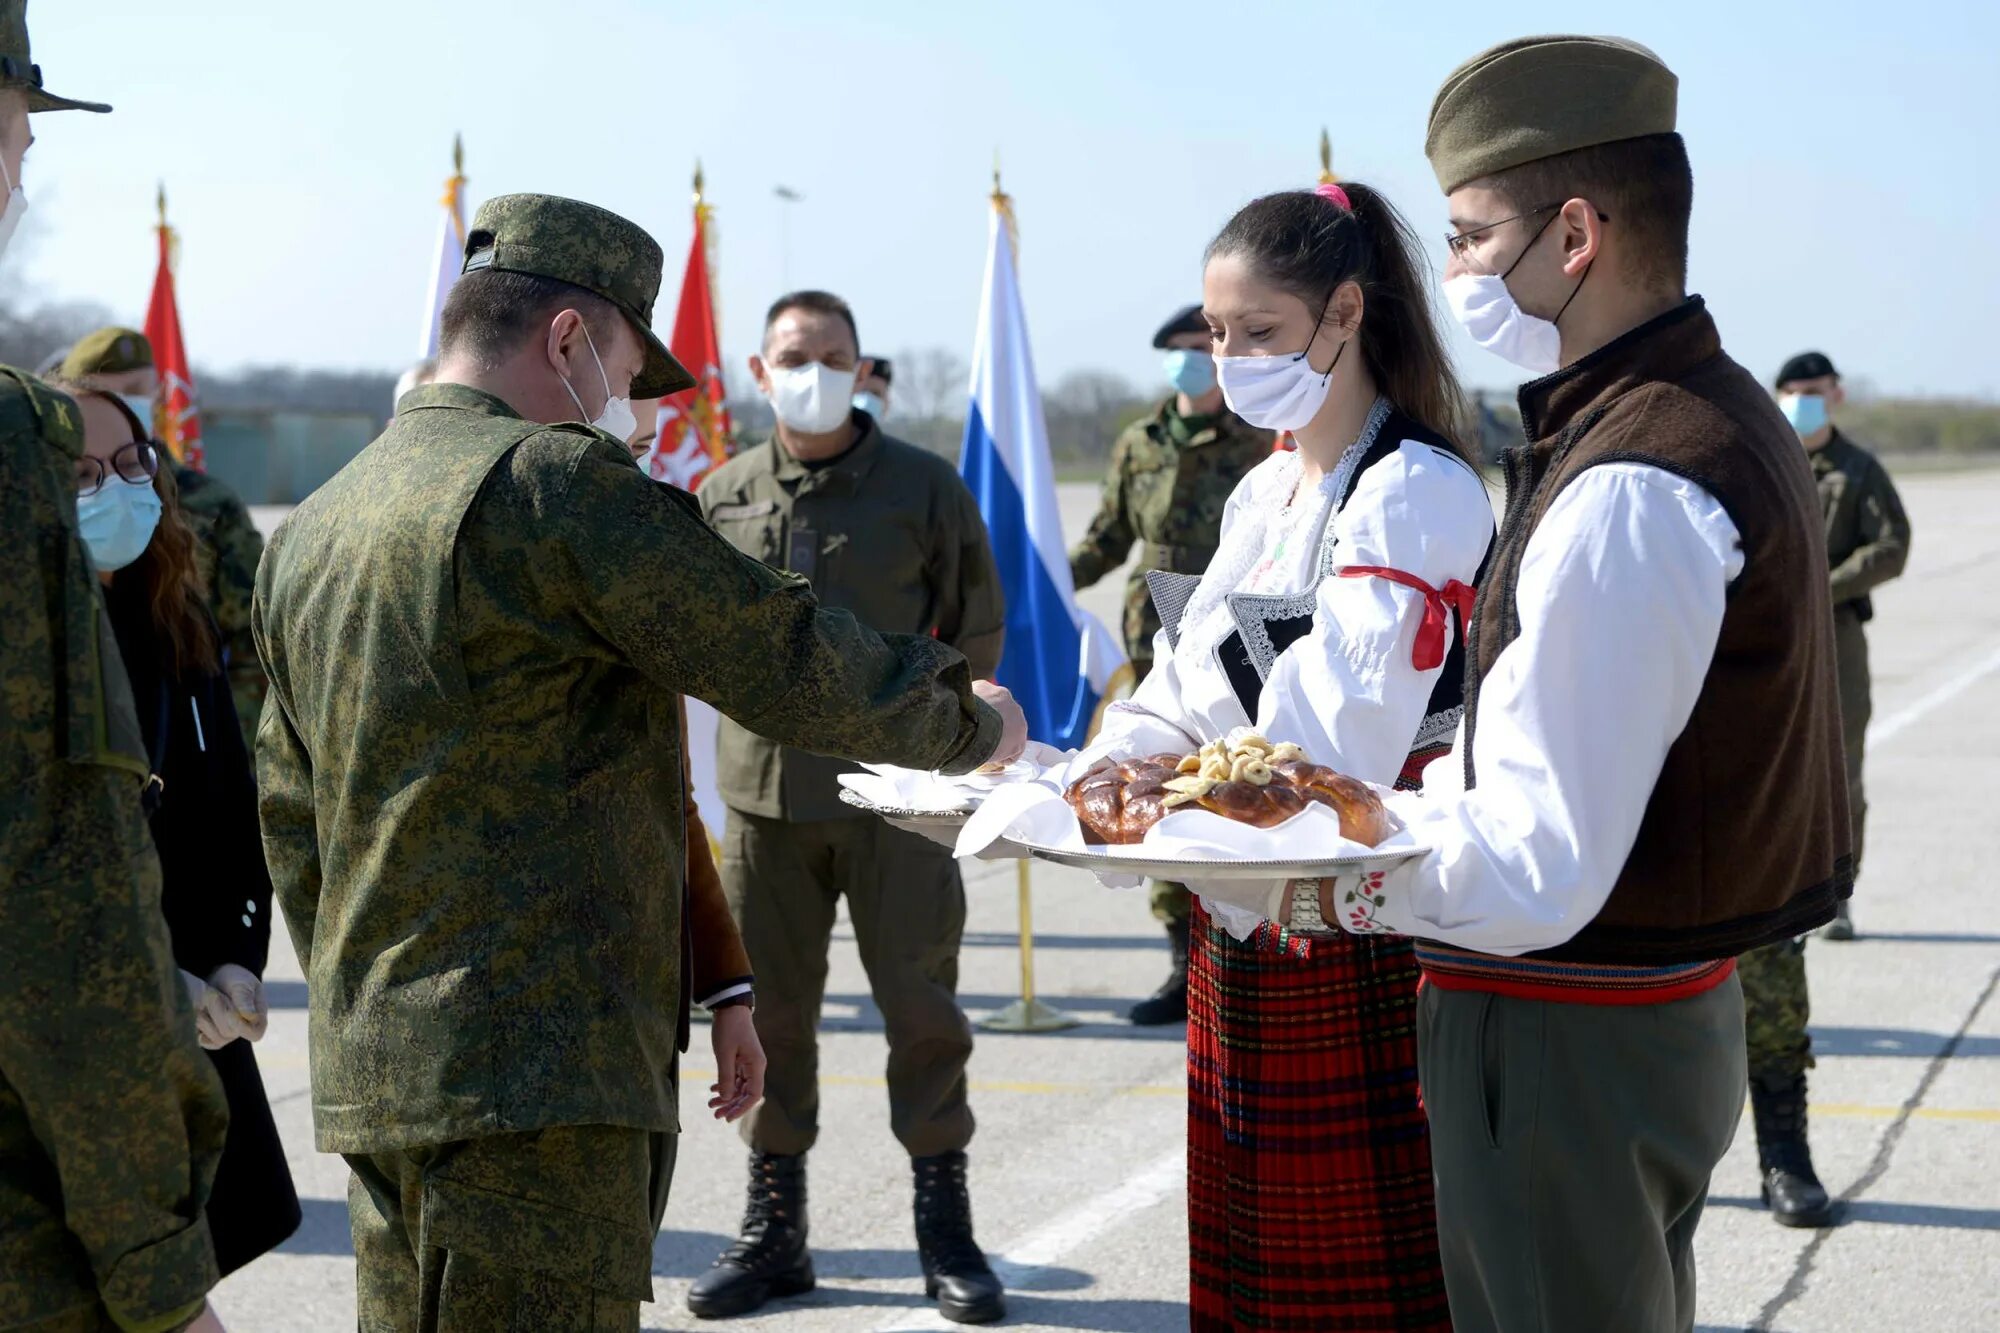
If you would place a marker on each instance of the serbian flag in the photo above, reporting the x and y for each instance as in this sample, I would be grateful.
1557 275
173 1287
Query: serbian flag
450 251
1058 657
176 419
694 423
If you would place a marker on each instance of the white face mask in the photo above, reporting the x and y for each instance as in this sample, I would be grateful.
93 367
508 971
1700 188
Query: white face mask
812 398
616 419
17 207
1487 310
1275 392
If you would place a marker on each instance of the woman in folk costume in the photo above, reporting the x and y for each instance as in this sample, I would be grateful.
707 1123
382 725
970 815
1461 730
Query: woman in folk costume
1330 617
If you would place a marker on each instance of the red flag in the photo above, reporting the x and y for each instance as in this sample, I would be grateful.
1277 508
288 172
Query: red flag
694 423
175 416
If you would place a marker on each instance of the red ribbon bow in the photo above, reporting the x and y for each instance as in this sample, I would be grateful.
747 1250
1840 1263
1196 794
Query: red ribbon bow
1428 651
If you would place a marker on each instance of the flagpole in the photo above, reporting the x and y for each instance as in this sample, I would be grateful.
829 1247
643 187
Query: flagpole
1026 1014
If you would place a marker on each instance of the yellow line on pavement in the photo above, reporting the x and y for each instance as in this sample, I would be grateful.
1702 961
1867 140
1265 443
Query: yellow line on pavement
1979 1114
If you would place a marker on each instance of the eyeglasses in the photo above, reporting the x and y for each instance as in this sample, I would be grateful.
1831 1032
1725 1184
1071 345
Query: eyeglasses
137 463
1458 243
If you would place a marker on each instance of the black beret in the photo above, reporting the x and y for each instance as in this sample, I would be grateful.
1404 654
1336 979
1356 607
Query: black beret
1188 320
1806 366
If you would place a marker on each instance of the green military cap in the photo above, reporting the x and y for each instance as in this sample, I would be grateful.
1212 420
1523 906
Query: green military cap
585 246
1536 97
18 71
111 351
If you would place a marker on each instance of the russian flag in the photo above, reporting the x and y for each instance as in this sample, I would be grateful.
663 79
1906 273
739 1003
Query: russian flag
1058 657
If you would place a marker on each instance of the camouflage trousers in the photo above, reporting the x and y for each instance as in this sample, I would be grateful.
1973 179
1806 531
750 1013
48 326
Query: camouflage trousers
1775 1010
550 1230
1850 655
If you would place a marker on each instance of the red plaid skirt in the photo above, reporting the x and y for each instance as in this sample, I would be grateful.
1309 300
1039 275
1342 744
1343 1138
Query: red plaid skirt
1309 1167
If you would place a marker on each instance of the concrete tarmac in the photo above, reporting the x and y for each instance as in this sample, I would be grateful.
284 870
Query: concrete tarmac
1077 1171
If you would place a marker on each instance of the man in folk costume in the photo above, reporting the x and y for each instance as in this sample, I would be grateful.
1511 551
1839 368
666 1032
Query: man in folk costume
1651 745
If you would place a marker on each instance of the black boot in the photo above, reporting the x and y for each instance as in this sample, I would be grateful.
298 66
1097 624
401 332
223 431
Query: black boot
770 1257
1168 1004
1791 1188
956 1274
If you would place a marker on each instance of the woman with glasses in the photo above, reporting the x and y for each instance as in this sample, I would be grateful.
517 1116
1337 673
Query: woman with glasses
201 802
1330 617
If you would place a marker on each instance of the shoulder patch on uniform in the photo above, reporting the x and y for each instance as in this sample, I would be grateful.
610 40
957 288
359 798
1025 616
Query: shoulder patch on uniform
52 413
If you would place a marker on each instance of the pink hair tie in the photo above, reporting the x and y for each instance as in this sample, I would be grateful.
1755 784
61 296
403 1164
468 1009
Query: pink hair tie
1339 196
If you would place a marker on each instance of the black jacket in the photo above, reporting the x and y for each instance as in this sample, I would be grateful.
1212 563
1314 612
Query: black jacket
217 893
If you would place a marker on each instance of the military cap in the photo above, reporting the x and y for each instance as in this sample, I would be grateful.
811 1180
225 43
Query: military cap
585 246
17 70
111 351
1187 320
1806 366
1536 97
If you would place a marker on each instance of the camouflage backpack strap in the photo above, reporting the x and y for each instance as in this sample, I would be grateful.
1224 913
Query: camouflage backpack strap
96 722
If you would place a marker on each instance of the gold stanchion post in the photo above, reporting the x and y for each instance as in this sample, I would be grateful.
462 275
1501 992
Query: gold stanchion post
1027 1014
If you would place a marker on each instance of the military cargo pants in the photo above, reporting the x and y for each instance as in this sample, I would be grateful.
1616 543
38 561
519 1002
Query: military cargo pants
1776 1010
1850 656
549 1231
907 903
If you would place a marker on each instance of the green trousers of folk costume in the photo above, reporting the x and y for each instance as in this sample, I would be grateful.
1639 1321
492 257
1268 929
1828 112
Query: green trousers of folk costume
1776 1010
549 1231
783 880
1573 1145
1850 655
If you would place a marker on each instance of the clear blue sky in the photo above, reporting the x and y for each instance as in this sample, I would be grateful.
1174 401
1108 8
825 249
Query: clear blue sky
1844 157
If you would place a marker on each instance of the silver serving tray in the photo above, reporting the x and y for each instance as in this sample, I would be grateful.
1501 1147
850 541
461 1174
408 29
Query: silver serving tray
1176 869
940 826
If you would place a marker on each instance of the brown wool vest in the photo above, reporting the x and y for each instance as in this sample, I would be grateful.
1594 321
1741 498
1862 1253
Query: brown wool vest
1745 839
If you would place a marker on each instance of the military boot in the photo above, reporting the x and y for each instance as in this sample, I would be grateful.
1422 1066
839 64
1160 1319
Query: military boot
1790 1186
770 1257
1168 1004
956 1274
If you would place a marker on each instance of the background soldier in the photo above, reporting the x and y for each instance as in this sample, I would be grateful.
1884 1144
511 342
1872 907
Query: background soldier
1867 544
889 532
471 785
120 361
111 1119
1171 474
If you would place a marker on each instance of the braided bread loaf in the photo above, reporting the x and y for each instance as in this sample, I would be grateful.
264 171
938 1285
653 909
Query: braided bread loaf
1251 781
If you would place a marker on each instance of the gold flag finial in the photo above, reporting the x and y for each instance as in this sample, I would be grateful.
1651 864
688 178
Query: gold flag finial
458 155
1326 176
1004 203
161 200
697 183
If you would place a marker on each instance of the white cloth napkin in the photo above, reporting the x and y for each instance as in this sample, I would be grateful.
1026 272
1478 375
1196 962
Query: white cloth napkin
893 788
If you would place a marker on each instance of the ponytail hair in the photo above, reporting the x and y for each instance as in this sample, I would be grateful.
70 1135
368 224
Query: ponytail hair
1309 242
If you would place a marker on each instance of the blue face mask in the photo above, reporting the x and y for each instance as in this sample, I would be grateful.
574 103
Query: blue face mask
872 404
1190 371
1806 412
117 522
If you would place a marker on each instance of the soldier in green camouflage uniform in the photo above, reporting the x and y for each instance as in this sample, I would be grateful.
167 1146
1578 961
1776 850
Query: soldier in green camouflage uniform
228 545
1171 474
1867 544
889 532
470 782
111 1119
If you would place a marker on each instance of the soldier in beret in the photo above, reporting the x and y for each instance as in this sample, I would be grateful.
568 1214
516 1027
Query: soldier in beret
471 784
1170 476
1651 741
120 361
111 1119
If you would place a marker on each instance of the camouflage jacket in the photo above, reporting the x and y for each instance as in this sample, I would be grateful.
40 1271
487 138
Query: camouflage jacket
888 532
469 774
111 1119
1167 484
228 547
1867 532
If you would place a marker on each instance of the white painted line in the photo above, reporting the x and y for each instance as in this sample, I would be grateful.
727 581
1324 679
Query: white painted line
1021 1267
1885 729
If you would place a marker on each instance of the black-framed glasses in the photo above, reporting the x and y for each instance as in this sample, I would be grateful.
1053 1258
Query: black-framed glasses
137 463
1457 243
